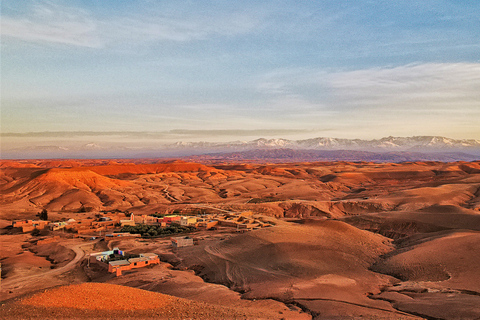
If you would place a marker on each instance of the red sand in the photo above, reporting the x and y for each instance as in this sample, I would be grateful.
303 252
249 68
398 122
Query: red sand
96 296
108 301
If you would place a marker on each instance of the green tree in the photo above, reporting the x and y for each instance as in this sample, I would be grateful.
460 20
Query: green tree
43 215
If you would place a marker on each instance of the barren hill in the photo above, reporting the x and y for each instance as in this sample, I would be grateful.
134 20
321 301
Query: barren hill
98 300
350 239
317 189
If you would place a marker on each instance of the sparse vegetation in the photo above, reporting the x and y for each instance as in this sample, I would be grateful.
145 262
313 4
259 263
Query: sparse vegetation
148 231
263 200
43 215
158 215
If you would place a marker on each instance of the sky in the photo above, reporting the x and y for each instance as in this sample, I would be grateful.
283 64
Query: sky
238 70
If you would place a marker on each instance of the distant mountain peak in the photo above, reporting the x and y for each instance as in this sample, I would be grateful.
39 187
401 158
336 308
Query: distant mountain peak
414 144
328 143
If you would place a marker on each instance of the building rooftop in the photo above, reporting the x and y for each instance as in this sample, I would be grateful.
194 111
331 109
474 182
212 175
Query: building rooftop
133 260
181 238
119 263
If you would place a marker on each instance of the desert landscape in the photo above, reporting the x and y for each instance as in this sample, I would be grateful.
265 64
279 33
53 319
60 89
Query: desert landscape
240 160
309 240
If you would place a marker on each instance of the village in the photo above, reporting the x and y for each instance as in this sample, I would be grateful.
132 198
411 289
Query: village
179 229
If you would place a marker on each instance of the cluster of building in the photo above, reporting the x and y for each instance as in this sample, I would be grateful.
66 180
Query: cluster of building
169 219
117 265
80 226
241 221
30 225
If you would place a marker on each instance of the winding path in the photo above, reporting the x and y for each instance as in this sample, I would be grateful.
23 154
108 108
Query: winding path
170 197
19 282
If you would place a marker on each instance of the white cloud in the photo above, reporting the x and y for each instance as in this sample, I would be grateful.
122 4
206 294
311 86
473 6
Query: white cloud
53 23
421 99
158 27
432 86
418 88
181 23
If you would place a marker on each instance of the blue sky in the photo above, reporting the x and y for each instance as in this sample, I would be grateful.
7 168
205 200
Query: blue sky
348 69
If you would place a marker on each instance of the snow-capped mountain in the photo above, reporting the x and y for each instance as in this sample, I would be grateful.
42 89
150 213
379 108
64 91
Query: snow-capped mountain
91 146
417 143
465 149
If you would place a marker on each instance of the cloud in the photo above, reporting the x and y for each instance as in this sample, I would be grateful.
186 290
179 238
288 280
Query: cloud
161 27
53 23
422 99
431 86
176 133
416 88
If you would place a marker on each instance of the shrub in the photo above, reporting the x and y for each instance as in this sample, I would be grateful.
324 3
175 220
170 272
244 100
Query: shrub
157 230
43 215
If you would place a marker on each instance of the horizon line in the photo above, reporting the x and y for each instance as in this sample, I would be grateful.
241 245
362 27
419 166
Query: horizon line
209 132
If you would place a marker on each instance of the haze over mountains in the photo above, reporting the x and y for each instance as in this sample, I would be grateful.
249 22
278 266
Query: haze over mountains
392 149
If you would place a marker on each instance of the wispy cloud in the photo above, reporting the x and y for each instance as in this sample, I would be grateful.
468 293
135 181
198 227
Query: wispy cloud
176 133
53 23
431 98
431 86
420 87
160 27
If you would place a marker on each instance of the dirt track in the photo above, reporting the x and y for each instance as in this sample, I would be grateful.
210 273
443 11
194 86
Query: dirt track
19 284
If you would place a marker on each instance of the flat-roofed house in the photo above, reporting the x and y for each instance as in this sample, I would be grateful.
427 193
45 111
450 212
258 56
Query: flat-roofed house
21 223
188 221
127 223
150 256
179 242
138 262
118 265
54 226
102 256
170 219
35 224
144 260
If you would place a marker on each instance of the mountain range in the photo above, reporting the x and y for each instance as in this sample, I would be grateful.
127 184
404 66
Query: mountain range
417 143
392 149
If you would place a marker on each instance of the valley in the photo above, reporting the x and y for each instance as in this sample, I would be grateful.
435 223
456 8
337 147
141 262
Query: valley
345 240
